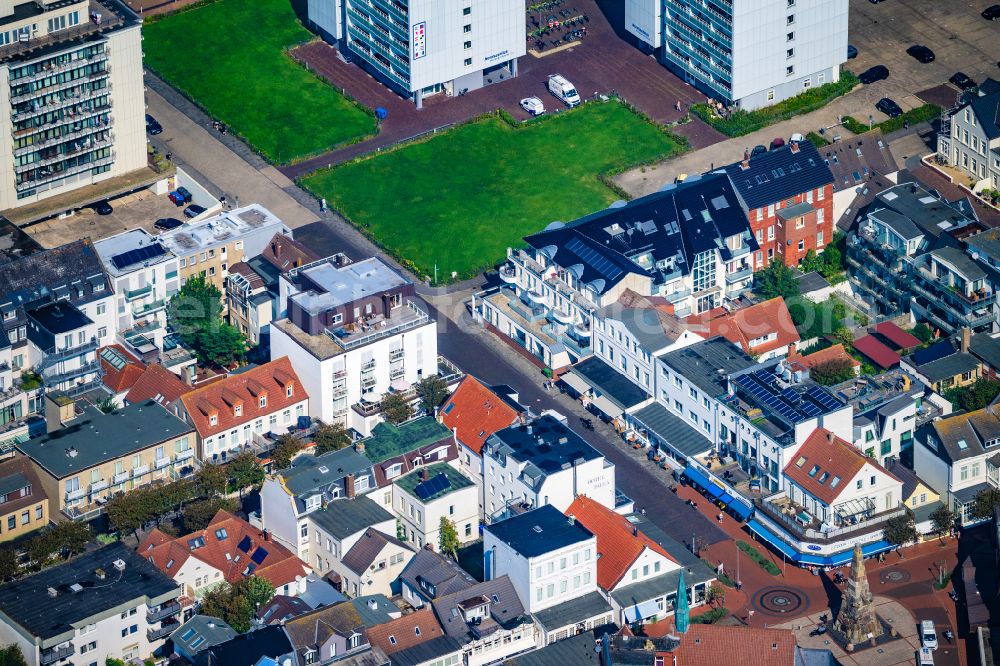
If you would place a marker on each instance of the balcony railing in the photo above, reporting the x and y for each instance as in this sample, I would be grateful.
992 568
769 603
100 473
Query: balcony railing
160 463
62 354
384 328
132 294
872 523
52 655
53 377
98 486
120 478
168 628
165 610
140 471
75 494
181 456
145 308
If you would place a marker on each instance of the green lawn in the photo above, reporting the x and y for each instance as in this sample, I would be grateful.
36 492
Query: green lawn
230 57
459 199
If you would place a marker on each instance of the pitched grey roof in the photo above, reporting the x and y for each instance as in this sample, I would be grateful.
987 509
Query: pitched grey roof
505 607
672 429
573 611
651 588
270 641
949 366
614 385
429 568
987 110
35 276
901 224
374 609
306 473
211 631
811 281
363 553
969 268
986 349
575 651
426 652
344 517
855 161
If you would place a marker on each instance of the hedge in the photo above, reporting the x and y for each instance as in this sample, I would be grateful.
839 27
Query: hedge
755 555
921 114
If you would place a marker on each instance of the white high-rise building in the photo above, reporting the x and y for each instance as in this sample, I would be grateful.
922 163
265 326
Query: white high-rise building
750 54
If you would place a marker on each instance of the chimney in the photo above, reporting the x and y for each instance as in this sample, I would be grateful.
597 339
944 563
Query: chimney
829 436
360 447
424 475
792 349
745 164
635 531
966 339
795 146
276 248
267 535
349 485
572 519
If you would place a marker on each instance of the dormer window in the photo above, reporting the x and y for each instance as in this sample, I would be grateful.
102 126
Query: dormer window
238 410
392 471
288 391
263 401
213 420
313 502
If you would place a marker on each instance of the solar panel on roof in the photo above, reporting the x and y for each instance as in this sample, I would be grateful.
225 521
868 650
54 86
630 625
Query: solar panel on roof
823 398
259 555
137 256
433 486
790 395
245 544
595 259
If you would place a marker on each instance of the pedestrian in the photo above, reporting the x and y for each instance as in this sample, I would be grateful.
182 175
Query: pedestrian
719 518
168 156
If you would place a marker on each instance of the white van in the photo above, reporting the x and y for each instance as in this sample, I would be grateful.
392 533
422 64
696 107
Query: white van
925 657
564 90
928 635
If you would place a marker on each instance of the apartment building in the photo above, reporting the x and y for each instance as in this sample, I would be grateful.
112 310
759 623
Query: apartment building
342 524
970 137
743 55
16 403
543 462
353 333
421 48
430 575
690 244
234 414
73 97
398 450
787 193
208 247
88 456
290 495
423 497
57 308
24 506
763 330
105 604
144 276
888 408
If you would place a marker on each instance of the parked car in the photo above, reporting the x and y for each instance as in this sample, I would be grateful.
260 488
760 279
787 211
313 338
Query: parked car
796 138
921 53
194 210
992 13
873 74
928 635
152 126
758 150
926 657
180 196
852 52
167 223
103 207
533 105
888 107
962 81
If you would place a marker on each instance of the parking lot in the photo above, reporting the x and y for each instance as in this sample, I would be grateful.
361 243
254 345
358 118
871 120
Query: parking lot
961 39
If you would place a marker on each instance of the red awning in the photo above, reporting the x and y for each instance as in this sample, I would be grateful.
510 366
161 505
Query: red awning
876 351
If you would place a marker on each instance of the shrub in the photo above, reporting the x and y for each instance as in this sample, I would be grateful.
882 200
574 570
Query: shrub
921 114
755 555
711 617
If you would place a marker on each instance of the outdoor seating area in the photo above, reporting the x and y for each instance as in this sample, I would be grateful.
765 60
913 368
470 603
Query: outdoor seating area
551 24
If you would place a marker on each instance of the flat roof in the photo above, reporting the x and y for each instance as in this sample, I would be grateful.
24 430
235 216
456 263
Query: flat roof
94 437
59 317
546 442
120 245
28 602
672 429
388 440
708 364
613 384
308 473
218 230
539 531
345 284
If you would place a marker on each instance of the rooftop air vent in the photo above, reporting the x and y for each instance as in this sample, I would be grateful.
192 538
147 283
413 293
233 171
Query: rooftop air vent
119 564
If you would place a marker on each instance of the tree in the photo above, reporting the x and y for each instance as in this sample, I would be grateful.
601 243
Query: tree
197 515
943 520
258 591
986 501
923 333
776 280
107 405
977 395
125 514
245 471
396 408
284 450
448 540
831 372
223 344
111 661
717 595
210 481
237 604
195 313
331 437
70 536
432 391
9 567
845 337
901 530
12 656
40 549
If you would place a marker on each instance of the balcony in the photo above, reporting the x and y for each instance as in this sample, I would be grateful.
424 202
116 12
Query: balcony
397 354
140 471
784 512
181 456
160 463
141 309
368 382
167 609
120 478
402 318
560 316
53 377
153 635
508 274
132 294
63 354
737 276
52 655
53 176
397 373
98 486
75 494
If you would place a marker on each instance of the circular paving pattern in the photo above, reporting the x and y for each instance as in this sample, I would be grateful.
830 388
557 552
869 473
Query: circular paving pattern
894 576
780 600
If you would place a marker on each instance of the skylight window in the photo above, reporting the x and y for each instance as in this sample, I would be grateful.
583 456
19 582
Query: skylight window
823 477
835 482
962 444
814 470
221 534
801 461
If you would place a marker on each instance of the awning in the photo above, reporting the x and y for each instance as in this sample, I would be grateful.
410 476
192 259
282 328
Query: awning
740 509
399 385
608 408
575 382
771 538
641 611
711 487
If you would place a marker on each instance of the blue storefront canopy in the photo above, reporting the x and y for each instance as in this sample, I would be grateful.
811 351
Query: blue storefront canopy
740 509
711 487
772 538
805 559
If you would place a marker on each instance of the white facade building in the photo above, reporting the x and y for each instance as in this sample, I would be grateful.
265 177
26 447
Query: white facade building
425 496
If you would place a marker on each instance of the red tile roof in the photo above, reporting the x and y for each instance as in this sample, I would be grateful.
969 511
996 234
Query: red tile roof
896 335
747 324
403 631
715 644
157 381
123 378
825 465
231 554
245 391
810 361
871 348
474 412
619 544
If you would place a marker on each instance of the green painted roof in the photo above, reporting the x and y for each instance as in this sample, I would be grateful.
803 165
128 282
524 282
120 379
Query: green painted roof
388 441
456 481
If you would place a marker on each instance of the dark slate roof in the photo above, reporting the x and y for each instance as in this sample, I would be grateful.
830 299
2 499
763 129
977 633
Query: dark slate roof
987 110
613 384
540 531
964 435
34 278
672 429
855 161
426 652
547 443
59 317
367 548
437 571
949 366
94 438
780 174
906 475
270 641
923 208
986 349
811 281
936 351
374 609
700 364
971 270
506 609
305 474
27 601
651 588
576 651
211 631
573 611
678 222
344 517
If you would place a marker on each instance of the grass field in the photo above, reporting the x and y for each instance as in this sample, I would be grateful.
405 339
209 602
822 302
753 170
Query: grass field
229 56
459 199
